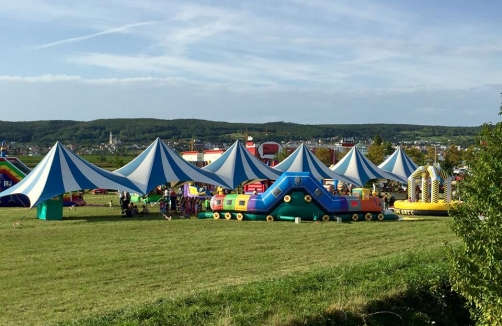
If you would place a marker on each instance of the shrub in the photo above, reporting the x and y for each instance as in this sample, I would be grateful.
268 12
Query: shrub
476 264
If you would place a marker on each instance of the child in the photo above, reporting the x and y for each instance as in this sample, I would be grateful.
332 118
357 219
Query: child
207 203
145 210
196 207
134 210
163 210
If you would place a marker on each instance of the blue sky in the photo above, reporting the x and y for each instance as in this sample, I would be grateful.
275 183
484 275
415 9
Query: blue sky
302 61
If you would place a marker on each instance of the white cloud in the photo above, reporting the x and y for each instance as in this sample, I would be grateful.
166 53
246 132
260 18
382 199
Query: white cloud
120 29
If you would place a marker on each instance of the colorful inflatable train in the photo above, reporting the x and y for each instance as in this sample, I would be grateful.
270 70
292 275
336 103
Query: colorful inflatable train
297 195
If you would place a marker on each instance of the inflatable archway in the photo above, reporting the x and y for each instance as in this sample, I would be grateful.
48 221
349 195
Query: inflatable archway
433 175
430 203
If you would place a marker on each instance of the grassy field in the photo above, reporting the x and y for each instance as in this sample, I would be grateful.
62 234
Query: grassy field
102 269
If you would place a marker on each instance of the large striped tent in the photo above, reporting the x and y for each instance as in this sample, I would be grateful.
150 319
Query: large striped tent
399 164
63 171
303 160
159 164
237 165
359 168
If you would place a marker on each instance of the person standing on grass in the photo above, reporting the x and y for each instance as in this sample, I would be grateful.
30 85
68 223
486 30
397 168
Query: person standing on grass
126 200
188 207
207 203
196 207
386 201
121 199
163 210
173 198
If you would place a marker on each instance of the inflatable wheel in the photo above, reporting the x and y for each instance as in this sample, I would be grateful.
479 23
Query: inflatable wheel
287 198
368 216
240 216
325 218
270 218
380 217
355 217
228 216
216 215
308 198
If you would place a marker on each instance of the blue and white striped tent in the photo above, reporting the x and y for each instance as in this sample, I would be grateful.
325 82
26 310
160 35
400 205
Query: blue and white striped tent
359 168
159 164
399 164
62 171
237 165
303 160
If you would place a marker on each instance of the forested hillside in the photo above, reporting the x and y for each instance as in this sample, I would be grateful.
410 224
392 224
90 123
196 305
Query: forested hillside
146 130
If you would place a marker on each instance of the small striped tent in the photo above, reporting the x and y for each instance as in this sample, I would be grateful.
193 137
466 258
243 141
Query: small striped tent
399 164
159 164
237 166
359 168
62 171
303 160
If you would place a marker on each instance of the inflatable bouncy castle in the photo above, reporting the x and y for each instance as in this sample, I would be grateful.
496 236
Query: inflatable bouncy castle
12 170
424 199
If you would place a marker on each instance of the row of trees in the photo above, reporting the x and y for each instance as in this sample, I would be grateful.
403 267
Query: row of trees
146 130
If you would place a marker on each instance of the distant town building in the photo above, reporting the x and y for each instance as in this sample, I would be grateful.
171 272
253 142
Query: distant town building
114 141
348 142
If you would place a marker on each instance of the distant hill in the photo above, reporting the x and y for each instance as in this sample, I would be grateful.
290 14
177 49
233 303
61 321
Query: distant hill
146 130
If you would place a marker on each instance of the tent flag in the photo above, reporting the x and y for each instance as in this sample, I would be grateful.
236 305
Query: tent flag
62 171
237 165
399 164
303 160
358 167
159 164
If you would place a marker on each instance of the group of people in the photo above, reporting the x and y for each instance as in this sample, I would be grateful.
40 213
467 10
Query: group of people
132 210
388 200
171 202
129 209
344 191
186 206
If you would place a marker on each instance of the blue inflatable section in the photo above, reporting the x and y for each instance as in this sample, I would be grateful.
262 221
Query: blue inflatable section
304 182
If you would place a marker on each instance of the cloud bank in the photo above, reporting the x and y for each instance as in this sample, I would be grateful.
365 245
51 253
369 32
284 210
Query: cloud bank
294 60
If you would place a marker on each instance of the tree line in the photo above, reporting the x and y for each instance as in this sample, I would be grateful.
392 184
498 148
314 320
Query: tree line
144 130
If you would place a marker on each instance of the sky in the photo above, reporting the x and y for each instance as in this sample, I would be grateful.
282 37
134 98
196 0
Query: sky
300 61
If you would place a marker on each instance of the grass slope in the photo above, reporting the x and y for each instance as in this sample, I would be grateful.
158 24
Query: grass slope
94 262
406 289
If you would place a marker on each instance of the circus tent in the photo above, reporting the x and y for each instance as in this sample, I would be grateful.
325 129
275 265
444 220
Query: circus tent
359 168
62 171
303 160
399 164
159 164
237 165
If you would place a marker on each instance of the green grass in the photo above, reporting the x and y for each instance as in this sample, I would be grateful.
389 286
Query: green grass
95 263
406 289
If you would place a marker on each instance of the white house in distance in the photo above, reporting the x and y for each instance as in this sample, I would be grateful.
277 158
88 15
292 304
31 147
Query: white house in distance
210 155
